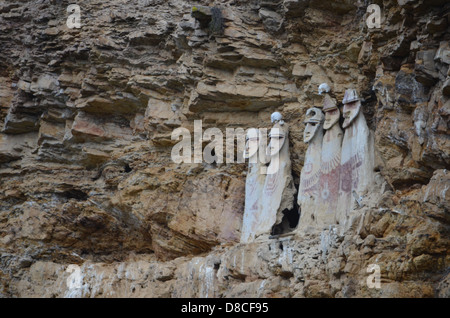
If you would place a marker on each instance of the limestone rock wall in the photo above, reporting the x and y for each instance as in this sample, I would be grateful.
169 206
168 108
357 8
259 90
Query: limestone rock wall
86 117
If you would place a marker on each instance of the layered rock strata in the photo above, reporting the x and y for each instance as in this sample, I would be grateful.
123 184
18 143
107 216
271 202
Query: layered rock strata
86 176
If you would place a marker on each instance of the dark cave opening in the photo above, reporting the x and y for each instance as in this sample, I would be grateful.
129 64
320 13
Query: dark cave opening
289 221
74 194
127 168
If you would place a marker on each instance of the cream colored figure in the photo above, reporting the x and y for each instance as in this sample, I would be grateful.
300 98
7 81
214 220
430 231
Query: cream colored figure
309 190
253 185
357 159
330 164
278 192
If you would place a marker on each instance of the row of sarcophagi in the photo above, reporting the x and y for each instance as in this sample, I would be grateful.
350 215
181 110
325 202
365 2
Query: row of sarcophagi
337 170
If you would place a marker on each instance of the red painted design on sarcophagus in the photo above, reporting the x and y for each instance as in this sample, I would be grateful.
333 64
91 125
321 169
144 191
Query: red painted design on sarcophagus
271 183
251 188
349 173
309 182
329 186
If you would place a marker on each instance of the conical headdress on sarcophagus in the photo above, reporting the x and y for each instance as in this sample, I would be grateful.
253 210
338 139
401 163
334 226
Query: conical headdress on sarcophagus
328 103
314 115
350 96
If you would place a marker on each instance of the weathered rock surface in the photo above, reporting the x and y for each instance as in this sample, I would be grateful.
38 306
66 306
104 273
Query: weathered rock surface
86 116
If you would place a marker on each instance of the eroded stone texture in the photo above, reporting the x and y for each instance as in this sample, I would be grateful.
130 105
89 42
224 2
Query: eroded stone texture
86 117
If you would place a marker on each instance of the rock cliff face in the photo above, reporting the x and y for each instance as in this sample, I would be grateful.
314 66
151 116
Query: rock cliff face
86 117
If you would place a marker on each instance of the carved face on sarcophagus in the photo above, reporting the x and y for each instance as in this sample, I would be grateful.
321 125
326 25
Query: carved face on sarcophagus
332 113
277 135
277 138
352 107
313 121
